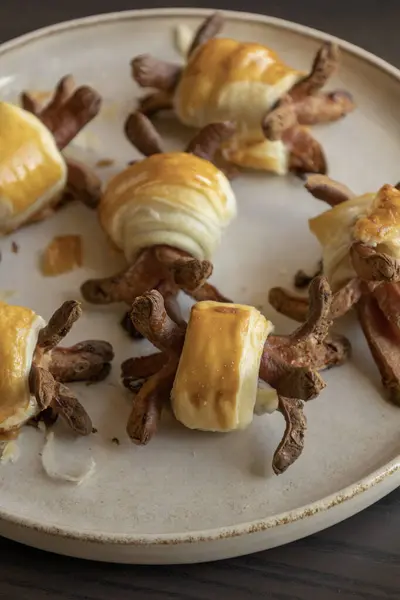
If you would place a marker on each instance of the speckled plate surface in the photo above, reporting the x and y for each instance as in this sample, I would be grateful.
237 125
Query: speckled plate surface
192 496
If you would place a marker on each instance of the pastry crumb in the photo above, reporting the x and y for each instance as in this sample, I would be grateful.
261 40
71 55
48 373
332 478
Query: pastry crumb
94 430
183 37
14 247
105 162
116 441
62 255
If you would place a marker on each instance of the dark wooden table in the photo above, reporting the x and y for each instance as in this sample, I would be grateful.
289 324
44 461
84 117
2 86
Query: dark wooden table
358 559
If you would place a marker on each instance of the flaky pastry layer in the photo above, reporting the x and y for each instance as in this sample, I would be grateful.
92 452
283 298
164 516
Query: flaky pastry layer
235 81
175 198
380 227
215 387
32 170
373 219
230 80
19 330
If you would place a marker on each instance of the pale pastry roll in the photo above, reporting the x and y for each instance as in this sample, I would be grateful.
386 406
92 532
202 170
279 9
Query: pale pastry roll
19 330
373 219
225 79
33 172
230 80
216 383
176 199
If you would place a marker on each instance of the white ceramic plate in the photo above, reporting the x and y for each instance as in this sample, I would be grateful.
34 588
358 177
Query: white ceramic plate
192 496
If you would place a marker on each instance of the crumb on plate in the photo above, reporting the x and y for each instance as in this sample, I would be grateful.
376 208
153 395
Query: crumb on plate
62 255
105 162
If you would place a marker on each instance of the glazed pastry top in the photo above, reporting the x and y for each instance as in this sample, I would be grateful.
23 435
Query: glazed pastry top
215 388
19 330
176 199
230 80
373 219
32 170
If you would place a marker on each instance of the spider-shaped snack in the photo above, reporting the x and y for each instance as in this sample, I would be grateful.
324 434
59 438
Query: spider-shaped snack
166 213
210 368
34 368
35 178
361 259
247 83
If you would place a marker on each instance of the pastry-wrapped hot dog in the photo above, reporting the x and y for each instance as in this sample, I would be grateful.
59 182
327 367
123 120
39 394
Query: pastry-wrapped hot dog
210 368
35 178
166 213
34 368
215 387
19 331
270 102
371 219
174 199
360 239
33 173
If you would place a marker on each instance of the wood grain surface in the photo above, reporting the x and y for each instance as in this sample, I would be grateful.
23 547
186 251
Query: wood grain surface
358 559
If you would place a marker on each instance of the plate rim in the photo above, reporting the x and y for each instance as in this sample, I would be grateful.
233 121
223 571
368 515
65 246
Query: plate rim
379 475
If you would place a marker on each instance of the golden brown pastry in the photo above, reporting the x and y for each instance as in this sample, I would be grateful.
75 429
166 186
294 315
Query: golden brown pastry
174 199
19 331
34 369
249 84
215 387
33 173
210 368
360 240
166 213
371 219
34 176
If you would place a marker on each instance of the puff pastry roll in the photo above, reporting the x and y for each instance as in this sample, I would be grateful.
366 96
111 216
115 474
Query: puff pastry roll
249 84
166 213
33 173
216 383
176 199
34 368
361 259
225 365
35 178
19 330
225 79
371 219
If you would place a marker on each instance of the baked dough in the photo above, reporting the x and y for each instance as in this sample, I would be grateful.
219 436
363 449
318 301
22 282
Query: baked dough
19 330
226 79
230 80
215 387
373 219
33 172
176 199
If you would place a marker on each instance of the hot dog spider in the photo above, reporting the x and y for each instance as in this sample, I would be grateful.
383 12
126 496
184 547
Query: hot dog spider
247 83
360 238
166 213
